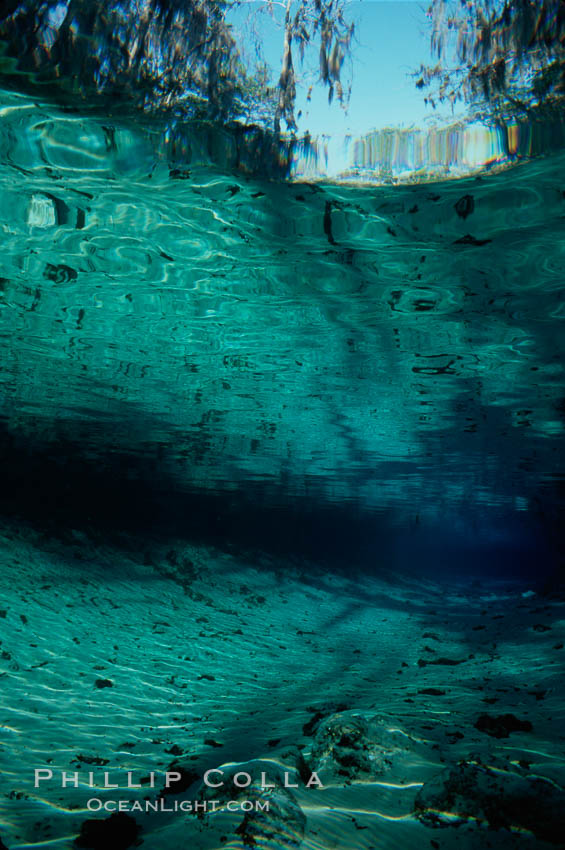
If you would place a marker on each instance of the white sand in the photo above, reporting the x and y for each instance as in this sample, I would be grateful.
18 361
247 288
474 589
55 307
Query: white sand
244 653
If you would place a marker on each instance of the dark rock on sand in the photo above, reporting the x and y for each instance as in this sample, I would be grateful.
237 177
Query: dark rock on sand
318 715
343 740
356 748
495 796
310 727
446 662
502 725
280 828
187 778
468 239
119 832
92 760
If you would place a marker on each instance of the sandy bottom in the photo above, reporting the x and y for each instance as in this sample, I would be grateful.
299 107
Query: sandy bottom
182 658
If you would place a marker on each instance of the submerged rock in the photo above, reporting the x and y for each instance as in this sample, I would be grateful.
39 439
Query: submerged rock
351 746
280 828
502 725
118 832
342 744
187 777
273 818
493 796
318 715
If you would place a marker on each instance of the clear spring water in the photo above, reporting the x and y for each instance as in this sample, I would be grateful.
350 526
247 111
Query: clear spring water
391 352
229 406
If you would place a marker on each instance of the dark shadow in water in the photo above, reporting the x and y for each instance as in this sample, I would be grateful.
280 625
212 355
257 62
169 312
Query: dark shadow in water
86 479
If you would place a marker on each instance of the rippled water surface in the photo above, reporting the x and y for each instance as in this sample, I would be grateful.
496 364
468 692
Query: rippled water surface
258 438
392 349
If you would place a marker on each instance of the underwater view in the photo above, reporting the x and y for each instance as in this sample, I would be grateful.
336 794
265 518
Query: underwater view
282 419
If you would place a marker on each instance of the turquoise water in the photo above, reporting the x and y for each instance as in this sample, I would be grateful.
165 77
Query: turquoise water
393 353
282 468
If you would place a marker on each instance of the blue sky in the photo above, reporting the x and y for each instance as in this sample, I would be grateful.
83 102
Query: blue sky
392 40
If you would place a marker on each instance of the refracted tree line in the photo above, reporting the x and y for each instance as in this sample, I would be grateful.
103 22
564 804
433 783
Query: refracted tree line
180 56
173 55
505 58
